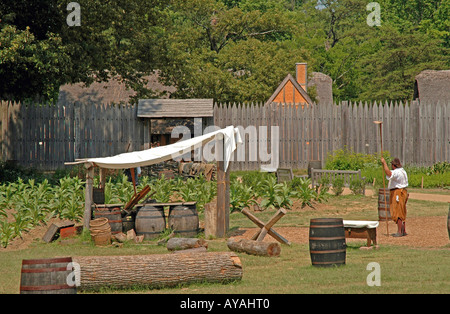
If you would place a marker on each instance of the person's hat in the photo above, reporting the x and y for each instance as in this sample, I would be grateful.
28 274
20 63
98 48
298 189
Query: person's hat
396 163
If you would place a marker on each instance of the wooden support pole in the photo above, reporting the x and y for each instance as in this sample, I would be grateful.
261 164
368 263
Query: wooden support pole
88 196
223 192
102 178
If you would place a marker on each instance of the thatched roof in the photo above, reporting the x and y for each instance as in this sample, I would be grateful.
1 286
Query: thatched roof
324 87
175 108
109 92
432 86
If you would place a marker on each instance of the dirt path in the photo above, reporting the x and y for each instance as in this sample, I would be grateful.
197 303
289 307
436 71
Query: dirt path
425 232
412 195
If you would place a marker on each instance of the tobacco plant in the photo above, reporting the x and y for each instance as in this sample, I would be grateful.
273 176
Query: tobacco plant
241 196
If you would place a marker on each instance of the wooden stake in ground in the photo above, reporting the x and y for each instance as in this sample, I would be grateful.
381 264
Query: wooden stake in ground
156 270
384 179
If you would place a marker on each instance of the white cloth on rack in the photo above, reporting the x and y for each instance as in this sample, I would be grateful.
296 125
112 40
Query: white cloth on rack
360 224
231 136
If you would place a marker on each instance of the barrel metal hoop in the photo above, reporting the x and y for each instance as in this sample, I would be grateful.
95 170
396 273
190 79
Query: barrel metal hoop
44 288
326 238
326 226
43 270
47 261
328 251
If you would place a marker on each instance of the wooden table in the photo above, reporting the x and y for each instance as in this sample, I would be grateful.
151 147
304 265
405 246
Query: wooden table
361 229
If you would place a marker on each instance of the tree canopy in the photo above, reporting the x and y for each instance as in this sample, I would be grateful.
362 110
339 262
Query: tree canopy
229 50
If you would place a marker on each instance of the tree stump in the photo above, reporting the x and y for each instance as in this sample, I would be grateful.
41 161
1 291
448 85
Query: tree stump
156 270
254 247
185 243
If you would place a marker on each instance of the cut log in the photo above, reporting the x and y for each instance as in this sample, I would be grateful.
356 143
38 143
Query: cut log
254 247
185 243
193 250
156 270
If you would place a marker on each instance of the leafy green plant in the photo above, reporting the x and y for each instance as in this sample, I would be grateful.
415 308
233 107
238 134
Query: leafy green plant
21 223
347 159
307 194
241 196
324 184
338 186
356 186
275 195
163 189
6 233
270 193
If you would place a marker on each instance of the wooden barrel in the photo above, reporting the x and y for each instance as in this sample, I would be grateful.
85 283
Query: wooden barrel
327 242
98 196
383 205
150 221
113 215
183 220
46 276
128 223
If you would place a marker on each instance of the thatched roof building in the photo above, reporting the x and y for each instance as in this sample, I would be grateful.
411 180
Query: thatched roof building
324 87
109 92
432 86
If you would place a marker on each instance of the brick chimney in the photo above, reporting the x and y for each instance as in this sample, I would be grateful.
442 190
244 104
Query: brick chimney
301 74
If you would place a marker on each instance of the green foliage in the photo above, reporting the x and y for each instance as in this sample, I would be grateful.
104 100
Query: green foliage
276 195
32 204
306 194
232 51
357 186
347 159
338 185
241 196
164 188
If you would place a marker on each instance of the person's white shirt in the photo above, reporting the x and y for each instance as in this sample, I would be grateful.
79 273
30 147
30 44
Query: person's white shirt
398 179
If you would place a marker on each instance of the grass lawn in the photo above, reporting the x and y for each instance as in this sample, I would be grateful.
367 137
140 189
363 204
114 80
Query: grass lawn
403 269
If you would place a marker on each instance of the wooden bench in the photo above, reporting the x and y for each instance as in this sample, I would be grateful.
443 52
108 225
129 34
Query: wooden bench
361 230
348 175
286 175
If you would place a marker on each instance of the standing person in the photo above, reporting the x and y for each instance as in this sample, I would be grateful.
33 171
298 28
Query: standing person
398 182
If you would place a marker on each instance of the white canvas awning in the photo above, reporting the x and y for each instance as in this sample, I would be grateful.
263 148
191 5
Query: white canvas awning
231 138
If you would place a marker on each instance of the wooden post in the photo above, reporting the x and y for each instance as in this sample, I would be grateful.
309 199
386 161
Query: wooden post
103 178
88 196
211 220
223 192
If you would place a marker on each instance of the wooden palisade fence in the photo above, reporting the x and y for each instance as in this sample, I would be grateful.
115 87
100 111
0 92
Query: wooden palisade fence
46 136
